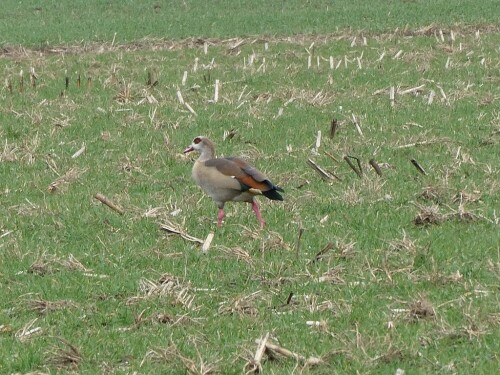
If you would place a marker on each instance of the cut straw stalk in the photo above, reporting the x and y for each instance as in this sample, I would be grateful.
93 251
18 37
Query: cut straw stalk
288 353
357 125
207 242
259 353
324 174
375 166
174 229
358 170
418 166
109 203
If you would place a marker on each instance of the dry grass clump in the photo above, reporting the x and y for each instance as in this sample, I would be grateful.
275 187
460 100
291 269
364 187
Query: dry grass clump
161 318
48 263
463 197
314 303
61 183
404 244
438 278
310 97
494 319
125 95
5 328
462 215
167 285
9 153
41 268
344 249
25 209
44 307
392 355
271 241
242 305
239 253
421 309
333 275
366 190
432 193
72 263
64 358
437 196
429 215
253 363
191 366
351 196
28 331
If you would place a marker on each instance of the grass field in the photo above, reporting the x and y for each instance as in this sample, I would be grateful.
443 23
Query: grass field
353 274
31 23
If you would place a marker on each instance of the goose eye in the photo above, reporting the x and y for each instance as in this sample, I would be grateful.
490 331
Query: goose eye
197 140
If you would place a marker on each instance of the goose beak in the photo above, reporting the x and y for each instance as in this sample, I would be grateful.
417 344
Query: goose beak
189 149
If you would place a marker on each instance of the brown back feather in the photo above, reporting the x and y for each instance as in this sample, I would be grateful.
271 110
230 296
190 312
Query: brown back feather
242 171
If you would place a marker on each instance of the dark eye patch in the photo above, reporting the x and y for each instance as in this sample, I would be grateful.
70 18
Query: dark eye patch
197 140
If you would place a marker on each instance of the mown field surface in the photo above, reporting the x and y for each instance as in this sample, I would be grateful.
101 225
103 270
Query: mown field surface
355 272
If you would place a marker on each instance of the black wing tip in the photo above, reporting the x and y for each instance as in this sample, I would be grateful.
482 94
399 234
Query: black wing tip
273 194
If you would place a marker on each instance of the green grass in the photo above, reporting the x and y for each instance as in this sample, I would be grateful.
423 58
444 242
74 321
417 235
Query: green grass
389 294
31 23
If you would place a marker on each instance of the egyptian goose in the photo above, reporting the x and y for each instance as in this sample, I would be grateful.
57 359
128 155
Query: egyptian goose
229 179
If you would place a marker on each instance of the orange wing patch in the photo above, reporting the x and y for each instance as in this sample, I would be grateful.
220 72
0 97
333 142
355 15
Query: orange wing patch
251 182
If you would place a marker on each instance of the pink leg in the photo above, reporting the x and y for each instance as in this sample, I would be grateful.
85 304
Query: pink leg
255 208
220 216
